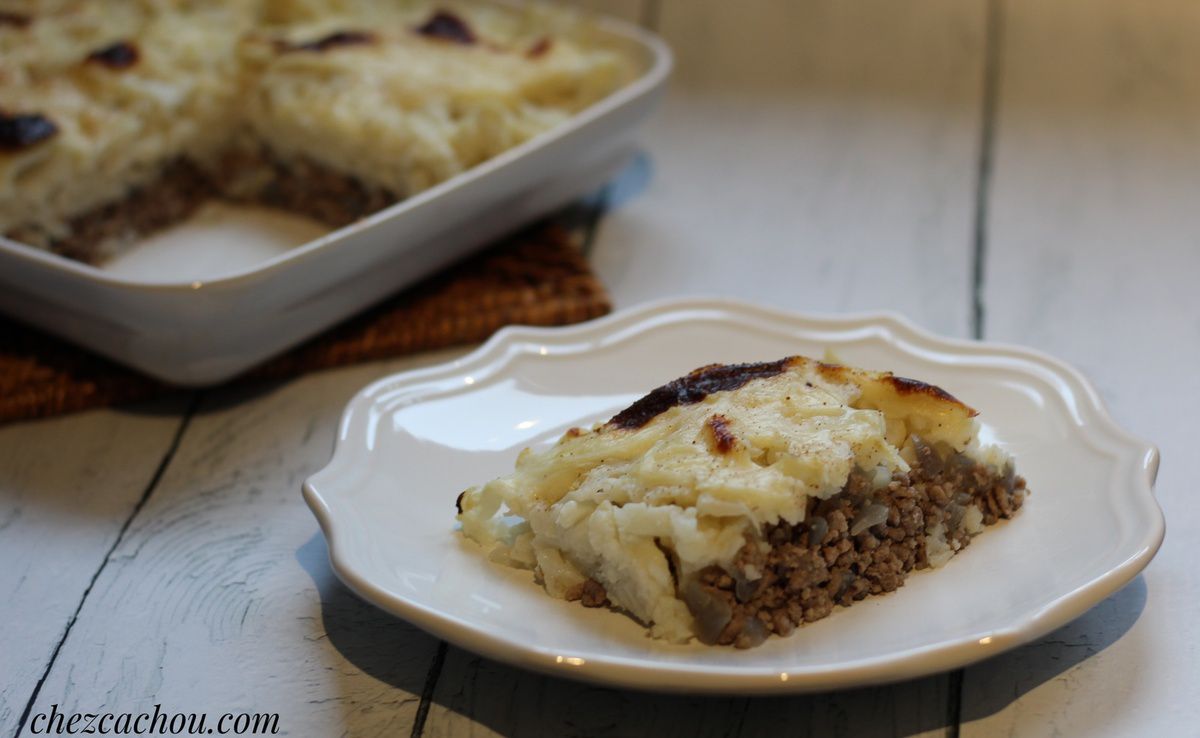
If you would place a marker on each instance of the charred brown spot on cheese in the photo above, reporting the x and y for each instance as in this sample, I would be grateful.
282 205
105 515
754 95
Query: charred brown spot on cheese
332 41
722 436
22 130
694 388
447 27
906 386
574 432
540 47
121 55
458 501
17 20
832 372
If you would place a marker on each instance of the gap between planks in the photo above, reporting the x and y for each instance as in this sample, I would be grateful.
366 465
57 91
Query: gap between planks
993 42
184 422
989 101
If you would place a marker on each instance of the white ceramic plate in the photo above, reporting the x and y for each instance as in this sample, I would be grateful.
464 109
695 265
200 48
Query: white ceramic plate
221 294
410 443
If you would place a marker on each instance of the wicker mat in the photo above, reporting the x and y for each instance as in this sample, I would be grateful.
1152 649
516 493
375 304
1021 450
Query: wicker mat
538 277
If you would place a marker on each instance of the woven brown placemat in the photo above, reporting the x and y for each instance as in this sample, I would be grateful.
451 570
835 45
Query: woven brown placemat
538 277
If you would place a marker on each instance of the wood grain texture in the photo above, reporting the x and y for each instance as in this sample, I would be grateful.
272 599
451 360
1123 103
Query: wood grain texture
477 697
815 155
220 598
67 486
1092 255
630 10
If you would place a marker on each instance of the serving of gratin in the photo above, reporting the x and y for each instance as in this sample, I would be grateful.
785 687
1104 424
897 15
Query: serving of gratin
743 500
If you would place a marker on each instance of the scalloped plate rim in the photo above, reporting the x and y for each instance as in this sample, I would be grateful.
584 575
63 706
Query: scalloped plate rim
900 333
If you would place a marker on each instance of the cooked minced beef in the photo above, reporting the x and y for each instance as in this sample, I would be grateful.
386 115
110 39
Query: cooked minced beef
589 593
101 233
854 544
303 186
245 176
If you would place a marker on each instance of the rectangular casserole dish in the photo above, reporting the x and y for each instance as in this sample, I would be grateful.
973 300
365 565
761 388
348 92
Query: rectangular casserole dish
198 332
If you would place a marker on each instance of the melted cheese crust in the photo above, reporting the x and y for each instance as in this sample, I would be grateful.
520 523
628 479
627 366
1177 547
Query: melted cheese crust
700 478
402 111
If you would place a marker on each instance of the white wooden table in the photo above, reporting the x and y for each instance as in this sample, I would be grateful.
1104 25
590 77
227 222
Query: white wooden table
1014 170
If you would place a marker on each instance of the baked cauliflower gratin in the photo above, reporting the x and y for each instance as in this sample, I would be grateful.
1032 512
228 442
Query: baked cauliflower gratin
119 118
743 500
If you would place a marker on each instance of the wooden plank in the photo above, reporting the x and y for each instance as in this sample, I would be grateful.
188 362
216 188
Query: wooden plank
630 10
220 598
1092 256
817 156
67 486
477 697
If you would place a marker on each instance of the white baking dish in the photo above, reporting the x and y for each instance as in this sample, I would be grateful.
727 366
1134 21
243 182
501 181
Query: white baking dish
198 331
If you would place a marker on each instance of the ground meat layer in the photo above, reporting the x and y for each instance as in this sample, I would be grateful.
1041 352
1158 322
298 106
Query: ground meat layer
857 543
100 233
241 175
300 186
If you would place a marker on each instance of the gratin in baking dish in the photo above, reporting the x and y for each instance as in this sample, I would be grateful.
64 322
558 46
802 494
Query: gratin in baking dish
196 331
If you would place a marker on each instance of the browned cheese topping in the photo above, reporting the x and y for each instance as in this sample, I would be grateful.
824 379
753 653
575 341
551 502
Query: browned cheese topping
333 40
906 386
539 48
723 437
447 27
694 388
17 20
121 55
22 130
